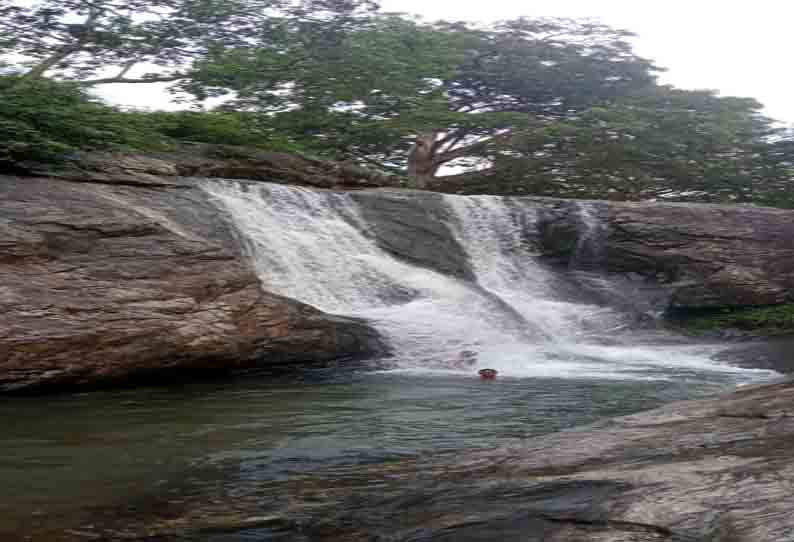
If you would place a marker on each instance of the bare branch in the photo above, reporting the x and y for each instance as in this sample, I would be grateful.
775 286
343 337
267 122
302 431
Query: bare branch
126 68
117 79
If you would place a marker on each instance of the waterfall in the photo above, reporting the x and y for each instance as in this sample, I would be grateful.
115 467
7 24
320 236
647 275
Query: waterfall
492 234
314 246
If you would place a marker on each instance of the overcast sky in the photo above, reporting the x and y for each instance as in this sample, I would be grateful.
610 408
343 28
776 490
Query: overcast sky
737 47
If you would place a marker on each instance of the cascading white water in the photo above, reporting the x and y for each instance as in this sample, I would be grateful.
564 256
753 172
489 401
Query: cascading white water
314 246
491 233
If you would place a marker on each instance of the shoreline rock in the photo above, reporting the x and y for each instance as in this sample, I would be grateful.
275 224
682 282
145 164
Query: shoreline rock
100 284
707 470
712 470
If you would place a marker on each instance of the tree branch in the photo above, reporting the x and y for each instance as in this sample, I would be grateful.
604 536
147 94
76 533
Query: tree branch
126 68
61 54
66 50
117 79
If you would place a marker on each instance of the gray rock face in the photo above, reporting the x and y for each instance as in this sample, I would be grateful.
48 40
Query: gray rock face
704 256
696 255
411 225
102 283
677 256
717 470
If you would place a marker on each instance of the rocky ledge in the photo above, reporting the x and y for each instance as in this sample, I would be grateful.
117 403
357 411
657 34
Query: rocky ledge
714 470
106 283
179 166
717 470
704 256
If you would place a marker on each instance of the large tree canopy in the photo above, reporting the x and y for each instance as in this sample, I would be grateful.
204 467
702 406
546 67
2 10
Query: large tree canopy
660 143
428 95
538 106
543 106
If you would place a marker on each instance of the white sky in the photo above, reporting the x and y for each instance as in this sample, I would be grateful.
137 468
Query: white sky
737 47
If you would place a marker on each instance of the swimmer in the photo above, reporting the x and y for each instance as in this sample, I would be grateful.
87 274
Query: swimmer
487 374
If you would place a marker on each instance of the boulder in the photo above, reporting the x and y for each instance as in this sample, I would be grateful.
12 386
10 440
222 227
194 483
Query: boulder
708 470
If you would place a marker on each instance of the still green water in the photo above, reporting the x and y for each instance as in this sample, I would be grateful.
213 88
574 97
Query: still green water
65 458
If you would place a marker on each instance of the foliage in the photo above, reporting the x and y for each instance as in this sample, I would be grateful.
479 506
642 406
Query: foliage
215 127
554 107
538 106
660 143
107 41
45 121
399 78
775 319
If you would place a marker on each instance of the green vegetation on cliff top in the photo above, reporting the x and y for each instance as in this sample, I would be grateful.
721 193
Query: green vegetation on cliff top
772 320
535 106
46 121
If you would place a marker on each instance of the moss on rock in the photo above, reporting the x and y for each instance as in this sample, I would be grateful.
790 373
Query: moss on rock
767 320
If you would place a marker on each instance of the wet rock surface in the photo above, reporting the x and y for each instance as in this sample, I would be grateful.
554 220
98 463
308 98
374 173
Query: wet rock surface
685 256
412 226
709 470
120 262
101 283
715 470
703 256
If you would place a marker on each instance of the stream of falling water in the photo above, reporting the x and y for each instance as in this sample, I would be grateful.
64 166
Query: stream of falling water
314 246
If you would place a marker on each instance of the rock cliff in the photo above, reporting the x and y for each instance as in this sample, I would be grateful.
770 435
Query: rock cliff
704 256
104 283
116 266
716 470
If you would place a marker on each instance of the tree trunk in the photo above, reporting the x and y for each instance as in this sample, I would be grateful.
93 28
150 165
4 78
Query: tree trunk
422 166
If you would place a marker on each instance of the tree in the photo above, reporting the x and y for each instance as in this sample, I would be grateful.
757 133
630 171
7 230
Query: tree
435 94
106 41
659 143
552 107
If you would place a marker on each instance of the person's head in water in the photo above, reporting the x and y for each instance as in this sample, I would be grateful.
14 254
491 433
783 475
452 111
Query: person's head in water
487 374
